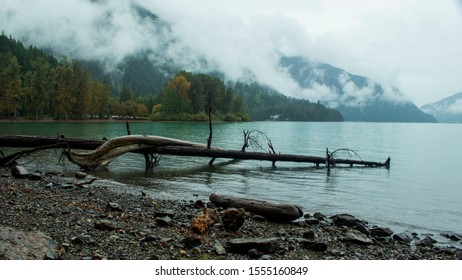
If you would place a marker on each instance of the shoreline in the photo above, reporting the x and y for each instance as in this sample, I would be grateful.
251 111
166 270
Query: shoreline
87 219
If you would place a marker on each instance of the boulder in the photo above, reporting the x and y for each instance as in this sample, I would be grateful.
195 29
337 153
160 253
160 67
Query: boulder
451 235
357 237
26 245
233 219
346 220
381 232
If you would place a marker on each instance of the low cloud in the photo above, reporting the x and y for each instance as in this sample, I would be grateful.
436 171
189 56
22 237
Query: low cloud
399 44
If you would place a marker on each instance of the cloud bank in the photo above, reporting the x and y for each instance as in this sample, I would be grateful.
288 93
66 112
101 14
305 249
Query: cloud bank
411 44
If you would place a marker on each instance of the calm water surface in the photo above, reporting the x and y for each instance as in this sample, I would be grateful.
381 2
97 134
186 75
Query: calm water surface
421 191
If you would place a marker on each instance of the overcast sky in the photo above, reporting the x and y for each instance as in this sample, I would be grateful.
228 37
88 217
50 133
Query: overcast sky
415 45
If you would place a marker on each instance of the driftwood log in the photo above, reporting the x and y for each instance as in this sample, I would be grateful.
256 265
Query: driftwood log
271 211
106 151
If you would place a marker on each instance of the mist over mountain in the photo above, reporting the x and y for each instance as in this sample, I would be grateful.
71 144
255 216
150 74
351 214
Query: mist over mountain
356 97
448 109
129 43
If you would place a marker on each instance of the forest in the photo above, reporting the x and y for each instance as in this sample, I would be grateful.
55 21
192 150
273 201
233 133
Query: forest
36 85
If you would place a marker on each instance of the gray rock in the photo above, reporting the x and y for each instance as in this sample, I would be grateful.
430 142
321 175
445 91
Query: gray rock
26 245
80 175
361 228
19 172
426 242
83 239
219 249
166 213
346 220
67 185
243 245
451 235
104 225
459 255
319 216
233 219
112 206
403 237
266 258
164 221
381 232
357 237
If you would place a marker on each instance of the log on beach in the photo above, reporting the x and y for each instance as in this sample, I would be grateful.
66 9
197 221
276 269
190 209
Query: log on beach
271 211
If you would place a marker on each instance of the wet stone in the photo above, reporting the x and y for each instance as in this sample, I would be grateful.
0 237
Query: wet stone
381 232
243 245
26 245
20 172
319 216
346 220
111 206
219 249
164 221
80 175
426 242
233 219
403 237
357 237
104 225
451 235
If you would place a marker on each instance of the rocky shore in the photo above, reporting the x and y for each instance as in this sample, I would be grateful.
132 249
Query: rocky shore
50 216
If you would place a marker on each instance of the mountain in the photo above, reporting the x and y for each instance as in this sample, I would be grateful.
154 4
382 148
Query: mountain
447 110
356 97
146 61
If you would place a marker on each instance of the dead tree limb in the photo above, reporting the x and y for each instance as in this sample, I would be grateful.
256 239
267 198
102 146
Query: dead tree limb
105 151
209 140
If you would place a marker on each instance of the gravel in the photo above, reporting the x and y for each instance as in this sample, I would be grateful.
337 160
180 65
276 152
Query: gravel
87 219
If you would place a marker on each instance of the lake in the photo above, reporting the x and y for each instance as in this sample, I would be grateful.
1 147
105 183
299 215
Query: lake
421 192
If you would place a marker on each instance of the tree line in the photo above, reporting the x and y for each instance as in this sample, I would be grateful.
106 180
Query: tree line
34 84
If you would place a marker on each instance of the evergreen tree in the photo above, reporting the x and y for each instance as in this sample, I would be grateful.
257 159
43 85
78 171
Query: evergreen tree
38 89
12 87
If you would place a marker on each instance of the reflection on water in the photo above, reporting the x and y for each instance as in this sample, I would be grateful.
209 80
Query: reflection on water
412 195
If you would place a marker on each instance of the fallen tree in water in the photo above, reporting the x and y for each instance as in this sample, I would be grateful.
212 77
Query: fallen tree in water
103 152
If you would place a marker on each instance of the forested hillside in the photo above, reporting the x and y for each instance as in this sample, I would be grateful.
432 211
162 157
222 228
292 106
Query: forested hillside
34 84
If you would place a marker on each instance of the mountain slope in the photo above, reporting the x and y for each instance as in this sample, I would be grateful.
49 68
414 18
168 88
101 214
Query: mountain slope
448 109
356 97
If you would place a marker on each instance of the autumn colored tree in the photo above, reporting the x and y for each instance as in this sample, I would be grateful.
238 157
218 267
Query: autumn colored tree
63 87
100 96
174 97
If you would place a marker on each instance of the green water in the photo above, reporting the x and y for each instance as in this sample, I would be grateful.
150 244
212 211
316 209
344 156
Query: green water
421 191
